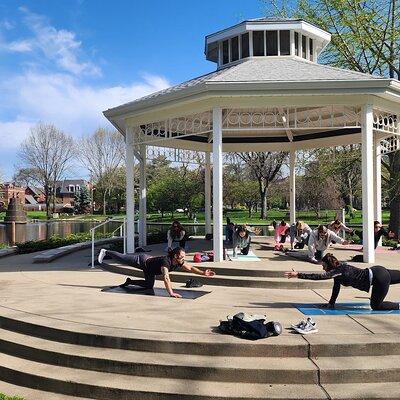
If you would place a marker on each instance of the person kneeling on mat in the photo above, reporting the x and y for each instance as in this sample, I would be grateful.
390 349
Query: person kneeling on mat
153 266
377 277
320 240
241 240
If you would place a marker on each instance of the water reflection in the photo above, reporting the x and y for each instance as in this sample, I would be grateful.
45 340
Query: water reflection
43 230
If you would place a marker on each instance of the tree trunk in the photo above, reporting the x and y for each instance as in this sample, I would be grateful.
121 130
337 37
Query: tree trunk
263 195
47 194
350 194
54 197
264 204
249 209
104 202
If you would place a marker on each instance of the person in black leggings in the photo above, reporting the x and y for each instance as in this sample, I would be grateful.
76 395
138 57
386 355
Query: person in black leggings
380 278
153 266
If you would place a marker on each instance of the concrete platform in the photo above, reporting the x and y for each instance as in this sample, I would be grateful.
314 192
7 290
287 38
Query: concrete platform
61 334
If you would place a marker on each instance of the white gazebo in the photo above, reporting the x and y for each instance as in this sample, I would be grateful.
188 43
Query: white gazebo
267 94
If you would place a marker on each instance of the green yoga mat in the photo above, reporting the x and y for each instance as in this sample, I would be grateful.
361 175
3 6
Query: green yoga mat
241 257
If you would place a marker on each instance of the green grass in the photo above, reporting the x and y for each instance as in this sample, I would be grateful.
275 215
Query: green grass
242 217
237 216
5 397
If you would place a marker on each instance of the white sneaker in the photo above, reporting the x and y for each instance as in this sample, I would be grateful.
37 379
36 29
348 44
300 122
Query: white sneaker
306 329
102 254
303 323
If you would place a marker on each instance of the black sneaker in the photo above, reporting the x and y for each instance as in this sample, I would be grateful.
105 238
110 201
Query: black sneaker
192 283
126 283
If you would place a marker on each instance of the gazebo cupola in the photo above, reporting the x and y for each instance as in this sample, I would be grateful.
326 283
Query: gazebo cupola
265 37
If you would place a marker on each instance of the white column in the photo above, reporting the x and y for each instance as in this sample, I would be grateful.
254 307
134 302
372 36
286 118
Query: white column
292 183
207 194
292 44
378 183
217 184
143 198
130 201
367 163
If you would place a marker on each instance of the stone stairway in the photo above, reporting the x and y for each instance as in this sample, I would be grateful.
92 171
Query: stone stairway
82 361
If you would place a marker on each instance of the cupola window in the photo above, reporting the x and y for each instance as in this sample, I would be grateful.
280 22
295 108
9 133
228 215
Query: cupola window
272 43
235 48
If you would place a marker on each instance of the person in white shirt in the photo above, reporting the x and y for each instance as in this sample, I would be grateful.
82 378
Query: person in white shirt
299 235
319 241
338 226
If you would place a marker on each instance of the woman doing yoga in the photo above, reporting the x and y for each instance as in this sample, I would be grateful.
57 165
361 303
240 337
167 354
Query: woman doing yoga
344 274
153 266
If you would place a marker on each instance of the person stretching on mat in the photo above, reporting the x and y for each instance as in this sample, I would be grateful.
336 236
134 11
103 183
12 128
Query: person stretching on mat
241 240
344 274
153 266
320 240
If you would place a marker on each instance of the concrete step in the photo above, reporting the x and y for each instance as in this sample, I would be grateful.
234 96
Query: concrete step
33 394
359 369
201 344
233 281
100 385
180 366
353 345
366 391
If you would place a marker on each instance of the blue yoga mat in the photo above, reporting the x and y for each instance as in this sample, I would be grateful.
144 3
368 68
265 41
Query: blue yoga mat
341 309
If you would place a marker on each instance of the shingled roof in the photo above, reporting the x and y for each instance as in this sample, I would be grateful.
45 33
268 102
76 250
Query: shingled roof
267 69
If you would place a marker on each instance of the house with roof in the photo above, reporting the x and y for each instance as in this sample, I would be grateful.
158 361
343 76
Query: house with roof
66 190
35 199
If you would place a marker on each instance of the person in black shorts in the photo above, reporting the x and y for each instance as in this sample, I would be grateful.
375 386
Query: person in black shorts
377 277
153 266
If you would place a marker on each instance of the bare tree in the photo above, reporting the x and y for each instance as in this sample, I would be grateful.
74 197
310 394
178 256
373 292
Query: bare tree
25 176
266 168
47 153
102 153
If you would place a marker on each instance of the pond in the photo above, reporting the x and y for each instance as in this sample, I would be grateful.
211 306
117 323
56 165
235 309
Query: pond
43 230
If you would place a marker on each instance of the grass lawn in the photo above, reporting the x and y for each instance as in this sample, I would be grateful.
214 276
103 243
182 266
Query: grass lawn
237 216
241 217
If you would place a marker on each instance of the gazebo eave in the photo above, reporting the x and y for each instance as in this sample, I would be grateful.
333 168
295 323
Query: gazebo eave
382 92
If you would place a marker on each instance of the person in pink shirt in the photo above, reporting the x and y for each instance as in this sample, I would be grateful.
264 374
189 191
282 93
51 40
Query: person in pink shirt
281 232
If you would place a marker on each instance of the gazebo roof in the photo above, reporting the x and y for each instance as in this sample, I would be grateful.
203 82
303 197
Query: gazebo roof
268 103
258 70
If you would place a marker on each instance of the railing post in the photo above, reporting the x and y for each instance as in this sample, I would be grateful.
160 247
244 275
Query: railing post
92 247
124 235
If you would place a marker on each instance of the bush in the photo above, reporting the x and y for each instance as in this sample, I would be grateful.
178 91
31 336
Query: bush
57 241
5 397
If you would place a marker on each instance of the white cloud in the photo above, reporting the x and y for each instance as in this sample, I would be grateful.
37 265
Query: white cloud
12 133
6 24
63 100
57 45
20 46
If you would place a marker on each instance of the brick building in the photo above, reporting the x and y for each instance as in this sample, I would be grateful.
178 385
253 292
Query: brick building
7 191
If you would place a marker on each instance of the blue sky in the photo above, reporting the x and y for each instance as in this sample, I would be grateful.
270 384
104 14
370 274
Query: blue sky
64 62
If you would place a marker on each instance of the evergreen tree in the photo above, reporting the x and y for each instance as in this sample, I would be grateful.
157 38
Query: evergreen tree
82 201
